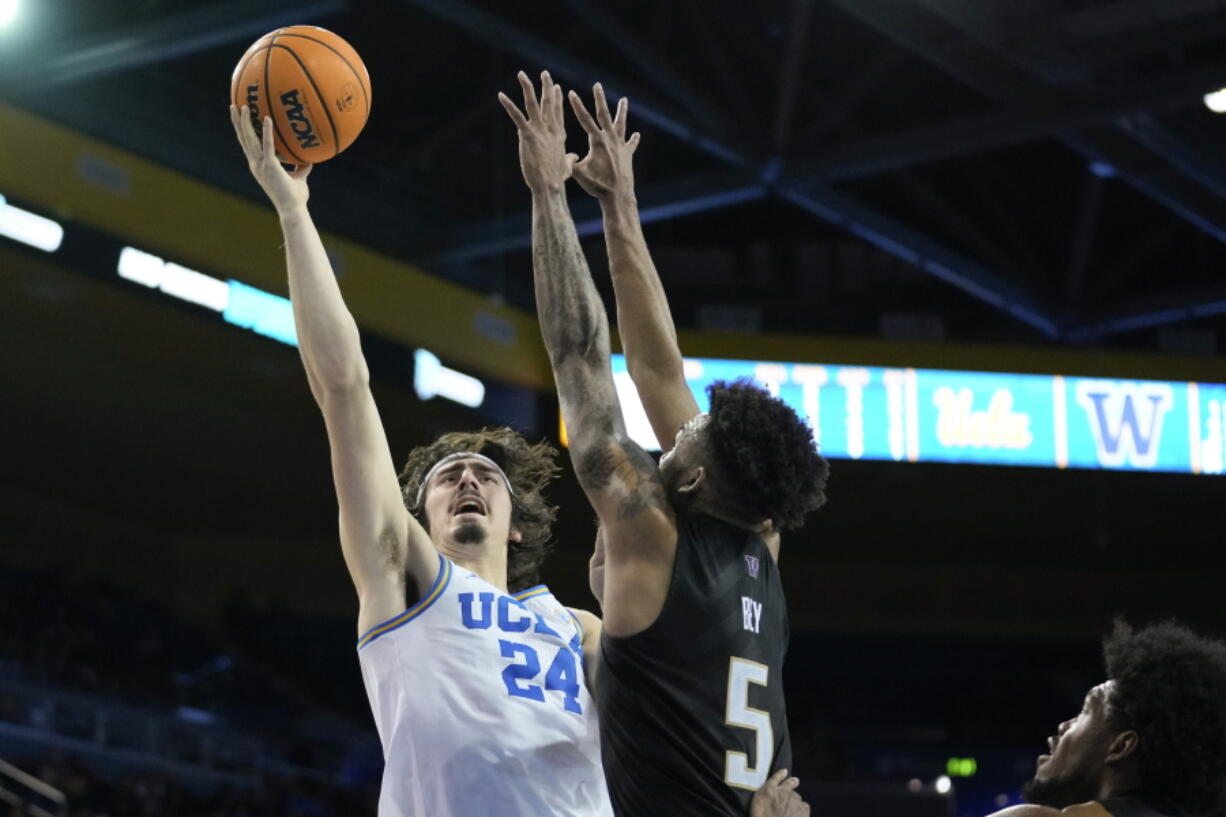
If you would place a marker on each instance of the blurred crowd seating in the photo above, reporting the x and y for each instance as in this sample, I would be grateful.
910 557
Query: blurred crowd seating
148 794
93 673
267 715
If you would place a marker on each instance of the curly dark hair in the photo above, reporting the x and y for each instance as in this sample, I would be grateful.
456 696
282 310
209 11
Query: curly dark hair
529 467
1170 687
765 453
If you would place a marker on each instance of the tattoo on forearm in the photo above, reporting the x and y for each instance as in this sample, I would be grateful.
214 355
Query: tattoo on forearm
572 316
596 466
574 325
629 466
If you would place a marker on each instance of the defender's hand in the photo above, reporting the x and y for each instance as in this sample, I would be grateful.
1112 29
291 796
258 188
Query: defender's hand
287 191
606 170
778 798
542 135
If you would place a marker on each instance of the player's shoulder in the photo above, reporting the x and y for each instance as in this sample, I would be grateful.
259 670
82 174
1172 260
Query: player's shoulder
585 617
540 591
1090 809
590 623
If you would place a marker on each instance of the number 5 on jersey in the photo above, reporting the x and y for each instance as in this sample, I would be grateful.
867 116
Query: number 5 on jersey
737 771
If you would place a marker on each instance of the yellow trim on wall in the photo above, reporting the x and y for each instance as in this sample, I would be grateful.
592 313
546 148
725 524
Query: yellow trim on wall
175 215
171 214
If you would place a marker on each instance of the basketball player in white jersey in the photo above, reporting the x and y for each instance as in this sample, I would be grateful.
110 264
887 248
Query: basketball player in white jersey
478 692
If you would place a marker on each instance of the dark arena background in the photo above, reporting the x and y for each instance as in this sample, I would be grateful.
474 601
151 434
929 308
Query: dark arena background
859 200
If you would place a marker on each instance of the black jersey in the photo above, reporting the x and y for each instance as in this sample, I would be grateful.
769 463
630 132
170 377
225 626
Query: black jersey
692 716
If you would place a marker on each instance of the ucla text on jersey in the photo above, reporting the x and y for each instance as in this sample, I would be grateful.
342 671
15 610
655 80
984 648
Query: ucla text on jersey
522 676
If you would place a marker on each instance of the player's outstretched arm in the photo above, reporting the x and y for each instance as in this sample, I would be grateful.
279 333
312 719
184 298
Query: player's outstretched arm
379 538
643 317
620 479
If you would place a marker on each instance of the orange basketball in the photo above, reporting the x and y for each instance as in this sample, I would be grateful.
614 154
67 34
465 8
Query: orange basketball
313 85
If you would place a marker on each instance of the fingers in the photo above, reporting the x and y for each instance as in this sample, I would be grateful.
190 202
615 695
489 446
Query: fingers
602 107
777 778
790 784
516 115
555 105
546 97
238 127
615 125
550 111
619 120
269 149
241 120
548 108
301 172
531 106
585 118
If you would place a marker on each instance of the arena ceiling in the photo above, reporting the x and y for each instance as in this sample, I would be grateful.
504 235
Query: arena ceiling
1032 170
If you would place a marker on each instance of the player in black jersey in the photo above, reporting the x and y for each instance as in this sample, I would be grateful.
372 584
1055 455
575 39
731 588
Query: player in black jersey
1148 742
695 630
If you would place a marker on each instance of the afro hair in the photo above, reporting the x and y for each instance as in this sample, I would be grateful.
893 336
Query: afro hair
530 468
1170 687
766 453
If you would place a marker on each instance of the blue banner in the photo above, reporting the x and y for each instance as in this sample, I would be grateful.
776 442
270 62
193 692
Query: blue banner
995 418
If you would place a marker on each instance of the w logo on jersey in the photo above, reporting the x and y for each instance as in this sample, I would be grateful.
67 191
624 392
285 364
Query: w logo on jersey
752 565
1126 419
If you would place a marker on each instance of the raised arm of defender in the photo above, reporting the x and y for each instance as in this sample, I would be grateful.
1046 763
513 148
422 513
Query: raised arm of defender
643 318
648 336
619 478
379 538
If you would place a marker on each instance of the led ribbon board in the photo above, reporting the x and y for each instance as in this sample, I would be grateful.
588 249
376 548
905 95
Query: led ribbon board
989 418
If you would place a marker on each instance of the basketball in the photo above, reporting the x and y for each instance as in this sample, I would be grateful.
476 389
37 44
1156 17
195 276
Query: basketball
314 86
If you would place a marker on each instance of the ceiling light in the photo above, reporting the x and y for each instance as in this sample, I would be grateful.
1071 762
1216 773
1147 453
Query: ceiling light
177 281
8 11
262 312
28 228
431 378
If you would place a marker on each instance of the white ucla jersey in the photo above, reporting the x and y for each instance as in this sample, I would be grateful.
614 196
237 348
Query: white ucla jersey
481 705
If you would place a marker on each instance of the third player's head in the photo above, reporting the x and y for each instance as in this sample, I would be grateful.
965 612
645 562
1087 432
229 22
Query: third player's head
1157 727
750 459
484 488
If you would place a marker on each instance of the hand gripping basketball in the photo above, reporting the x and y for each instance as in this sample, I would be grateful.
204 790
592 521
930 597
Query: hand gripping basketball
287 191
312 84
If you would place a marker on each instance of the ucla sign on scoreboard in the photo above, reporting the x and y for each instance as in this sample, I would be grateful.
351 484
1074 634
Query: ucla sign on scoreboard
934 415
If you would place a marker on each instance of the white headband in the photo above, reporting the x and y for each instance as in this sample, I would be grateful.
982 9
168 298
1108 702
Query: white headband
450 458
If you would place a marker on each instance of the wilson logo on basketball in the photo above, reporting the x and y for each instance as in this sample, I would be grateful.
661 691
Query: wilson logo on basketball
295 112
253 105
347 98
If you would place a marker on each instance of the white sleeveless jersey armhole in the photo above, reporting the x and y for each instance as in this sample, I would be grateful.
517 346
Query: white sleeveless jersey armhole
481 705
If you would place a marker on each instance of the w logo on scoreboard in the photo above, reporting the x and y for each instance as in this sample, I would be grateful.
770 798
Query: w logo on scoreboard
1126 419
